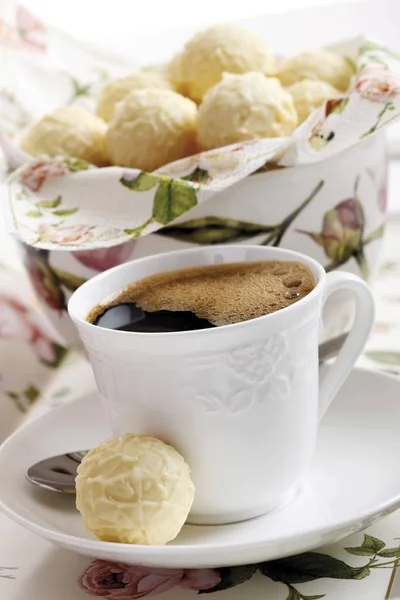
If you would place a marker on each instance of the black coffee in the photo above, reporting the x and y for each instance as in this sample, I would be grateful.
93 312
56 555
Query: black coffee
130 317
204 297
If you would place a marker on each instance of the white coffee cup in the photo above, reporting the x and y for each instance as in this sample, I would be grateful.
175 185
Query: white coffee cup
240 402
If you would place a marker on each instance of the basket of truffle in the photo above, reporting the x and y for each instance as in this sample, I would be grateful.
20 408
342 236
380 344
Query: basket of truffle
225 143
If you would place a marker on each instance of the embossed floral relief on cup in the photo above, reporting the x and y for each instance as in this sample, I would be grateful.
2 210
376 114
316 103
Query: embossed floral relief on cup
250 374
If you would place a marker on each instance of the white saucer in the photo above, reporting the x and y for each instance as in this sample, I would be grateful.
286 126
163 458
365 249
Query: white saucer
354 480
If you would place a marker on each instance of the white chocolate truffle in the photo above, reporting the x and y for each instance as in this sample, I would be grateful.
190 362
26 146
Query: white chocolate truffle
69 131
310 94
326 66
174 74
134 490
151 128
245 107
219 49
119 89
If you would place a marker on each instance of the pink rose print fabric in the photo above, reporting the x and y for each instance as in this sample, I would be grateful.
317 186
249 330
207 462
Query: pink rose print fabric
117 581
377 84
16 323
105 258
36 173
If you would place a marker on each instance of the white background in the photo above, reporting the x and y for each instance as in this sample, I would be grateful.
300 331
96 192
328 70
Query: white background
98 19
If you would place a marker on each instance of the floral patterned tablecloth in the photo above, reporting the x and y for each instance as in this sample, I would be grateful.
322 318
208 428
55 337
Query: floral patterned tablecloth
37 374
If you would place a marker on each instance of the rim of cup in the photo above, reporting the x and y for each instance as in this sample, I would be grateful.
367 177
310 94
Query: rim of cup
79 318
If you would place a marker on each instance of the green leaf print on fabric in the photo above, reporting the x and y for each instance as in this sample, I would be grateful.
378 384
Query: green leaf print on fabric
34 213
360 551
69 280
172 199
50 203
45 208
59 354
308 567
24 400
214 230
296 595
374 235
380 121
198 176
143 182
370 546
65 212
385 357
390 553
231 577
271 165
368 47
79 89
76 164
31 393
372 543
339 107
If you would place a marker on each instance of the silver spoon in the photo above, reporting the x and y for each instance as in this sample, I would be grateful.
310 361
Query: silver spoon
58 472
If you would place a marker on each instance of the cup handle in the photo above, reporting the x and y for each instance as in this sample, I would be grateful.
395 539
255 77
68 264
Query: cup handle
354 344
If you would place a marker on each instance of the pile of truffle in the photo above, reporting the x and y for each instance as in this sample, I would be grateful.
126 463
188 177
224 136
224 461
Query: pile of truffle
225 86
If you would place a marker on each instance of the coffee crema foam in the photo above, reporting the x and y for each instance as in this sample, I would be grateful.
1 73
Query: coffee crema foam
221 294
